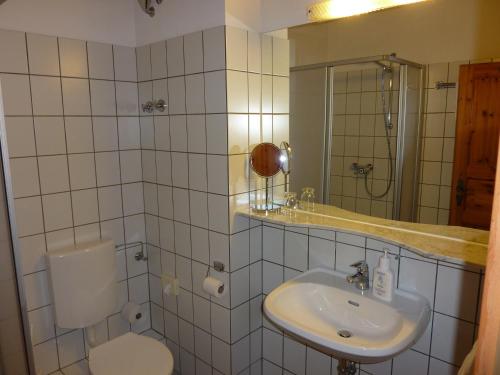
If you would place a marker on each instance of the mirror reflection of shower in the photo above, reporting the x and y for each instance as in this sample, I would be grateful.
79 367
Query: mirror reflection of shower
358 121
387 74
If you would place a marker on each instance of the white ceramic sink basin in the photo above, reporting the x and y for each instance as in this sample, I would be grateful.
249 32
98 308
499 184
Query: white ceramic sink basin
316 305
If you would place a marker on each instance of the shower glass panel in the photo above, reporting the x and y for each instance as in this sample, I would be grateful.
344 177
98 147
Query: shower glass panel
361 174
13 358
355 133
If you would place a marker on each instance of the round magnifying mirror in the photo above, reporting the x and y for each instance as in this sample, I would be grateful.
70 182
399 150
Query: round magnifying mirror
266 159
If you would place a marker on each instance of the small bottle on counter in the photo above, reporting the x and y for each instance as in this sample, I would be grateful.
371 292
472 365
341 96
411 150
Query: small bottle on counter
383 279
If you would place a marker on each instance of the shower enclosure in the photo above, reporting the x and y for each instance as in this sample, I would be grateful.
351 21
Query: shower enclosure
355 131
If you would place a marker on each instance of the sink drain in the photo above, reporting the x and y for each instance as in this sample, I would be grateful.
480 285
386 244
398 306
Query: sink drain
344 333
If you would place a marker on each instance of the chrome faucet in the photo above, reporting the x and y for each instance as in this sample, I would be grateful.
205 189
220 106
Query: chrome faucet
362 277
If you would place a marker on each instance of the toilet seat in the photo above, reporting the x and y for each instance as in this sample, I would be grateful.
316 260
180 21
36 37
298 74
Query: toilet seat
131 354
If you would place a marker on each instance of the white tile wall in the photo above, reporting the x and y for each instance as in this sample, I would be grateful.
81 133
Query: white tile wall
59 153
194 182
452 292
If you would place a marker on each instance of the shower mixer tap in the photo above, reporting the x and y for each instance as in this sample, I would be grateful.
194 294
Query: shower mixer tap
361 169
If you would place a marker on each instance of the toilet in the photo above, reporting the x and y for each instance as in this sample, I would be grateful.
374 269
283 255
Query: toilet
84 290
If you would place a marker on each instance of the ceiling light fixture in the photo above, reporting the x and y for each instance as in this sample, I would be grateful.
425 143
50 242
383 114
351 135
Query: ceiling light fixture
332 9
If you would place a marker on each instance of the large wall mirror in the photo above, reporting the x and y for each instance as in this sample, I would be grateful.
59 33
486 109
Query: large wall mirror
376 119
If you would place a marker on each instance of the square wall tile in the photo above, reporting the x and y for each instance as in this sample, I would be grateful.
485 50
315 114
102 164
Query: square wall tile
216 134
254 52
13 47
164 168
281 57
110 202
57 211
411 363
196 133
45 355
294 356
107 168
105 131
24 174
218 213
236 48
181 205
85 206
267 54
272 244
296 251
100 57
29 219
33 249
127 98
419 277
54 176
129 133
16 95
457 292
70 347
37 290
82 171
195 93
199 208
452 339
237 92
180 174
217 169
41 324
215 92
43 54
133 167
73 55
176 95
193 52
214 49
175 56
76 97
79 137
125 63
281 95
158 60
103 100
143 63
50 135
20 136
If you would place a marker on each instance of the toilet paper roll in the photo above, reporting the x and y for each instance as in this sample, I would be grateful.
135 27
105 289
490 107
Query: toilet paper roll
131 312
214 287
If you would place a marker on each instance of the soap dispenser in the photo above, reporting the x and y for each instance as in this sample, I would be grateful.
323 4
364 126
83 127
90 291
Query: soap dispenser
383 279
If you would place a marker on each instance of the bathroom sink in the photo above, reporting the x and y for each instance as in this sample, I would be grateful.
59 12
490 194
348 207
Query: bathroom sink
321 308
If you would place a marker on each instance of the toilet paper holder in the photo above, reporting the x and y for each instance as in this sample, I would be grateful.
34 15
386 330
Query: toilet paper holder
218 266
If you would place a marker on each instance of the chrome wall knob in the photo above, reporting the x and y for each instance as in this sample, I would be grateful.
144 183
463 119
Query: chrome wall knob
160 105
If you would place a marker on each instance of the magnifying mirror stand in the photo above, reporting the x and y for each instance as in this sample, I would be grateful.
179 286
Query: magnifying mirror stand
268 206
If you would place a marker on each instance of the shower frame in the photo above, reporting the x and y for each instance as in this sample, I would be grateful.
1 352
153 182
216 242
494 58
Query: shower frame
410 213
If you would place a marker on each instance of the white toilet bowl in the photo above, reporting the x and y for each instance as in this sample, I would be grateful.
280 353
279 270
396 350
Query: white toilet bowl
131 354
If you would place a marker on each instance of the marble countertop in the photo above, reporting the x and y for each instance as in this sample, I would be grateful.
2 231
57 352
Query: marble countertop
448 243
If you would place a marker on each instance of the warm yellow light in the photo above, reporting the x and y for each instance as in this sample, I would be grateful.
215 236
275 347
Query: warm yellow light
331 9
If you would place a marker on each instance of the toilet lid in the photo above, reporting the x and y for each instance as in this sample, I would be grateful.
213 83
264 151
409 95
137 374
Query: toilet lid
131 354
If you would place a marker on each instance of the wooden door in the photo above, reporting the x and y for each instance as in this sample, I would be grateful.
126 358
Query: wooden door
476 145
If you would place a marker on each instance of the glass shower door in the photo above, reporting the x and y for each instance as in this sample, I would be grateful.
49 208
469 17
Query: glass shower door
13 357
